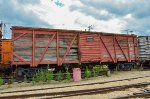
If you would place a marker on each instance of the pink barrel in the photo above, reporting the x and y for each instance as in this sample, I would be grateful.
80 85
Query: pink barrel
76 74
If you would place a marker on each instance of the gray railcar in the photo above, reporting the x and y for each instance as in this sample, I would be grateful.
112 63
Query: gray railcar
144 50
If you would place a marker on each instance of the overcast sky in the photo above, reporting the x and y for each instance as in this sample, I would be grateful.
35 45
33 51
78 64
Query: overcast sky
112 16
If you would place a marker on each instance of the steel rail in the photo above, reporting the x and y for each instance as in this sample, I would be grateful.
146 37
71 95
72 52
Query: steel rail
137 95
52 95
75 85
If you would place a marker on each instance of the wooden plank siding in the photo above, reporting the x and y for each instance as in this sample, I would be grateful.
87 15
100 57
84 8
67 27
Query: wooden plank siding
34 46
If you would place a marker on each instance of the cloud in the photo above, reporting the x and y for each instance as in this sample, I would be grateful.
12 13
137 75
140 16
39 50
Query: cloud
28 1
105 15
133 14
13 12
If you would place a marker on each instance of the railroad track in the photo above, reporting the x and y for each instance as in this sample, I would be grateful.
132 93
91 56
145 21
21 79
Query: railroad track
53 95
74 85
135 95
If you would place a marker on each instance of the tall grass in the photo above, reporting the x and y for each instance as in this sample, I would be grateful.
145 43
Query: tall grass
88 73
68 75
1 81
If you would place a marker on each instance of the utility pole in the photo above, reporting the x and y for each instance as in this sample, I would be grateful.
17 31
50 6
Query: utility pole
1 25
128 31
90 27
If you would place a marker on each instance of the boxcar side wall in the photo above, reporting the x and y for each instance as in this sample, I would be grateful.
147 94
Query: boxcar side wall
108 48
34 46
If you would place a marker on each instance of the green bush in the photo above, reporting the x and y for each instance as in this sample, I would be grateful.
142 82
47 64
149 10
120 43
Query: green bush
59 76
42 76
49 76
1 81
68 75
96 71
87 73
34 80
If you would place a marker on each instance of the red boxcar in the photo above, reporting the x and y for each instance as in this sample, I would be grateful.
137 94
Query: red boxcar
35 46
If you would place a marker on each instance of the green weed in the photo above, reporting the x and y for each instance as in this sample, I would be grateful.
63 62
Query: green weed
68 75
1 81
87 73
59 76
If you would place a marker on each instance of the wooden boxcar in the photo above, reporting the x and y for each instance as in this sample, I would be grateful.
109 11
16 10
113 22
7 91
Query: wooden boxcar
39 46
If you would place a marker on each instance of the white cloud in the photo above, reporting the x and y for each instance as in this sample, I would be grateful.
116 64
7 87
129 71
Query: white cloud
128 16
63 18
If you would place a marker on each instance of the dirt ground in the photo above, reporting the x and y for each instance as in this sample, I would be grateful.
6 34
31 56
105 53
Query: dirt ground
114 76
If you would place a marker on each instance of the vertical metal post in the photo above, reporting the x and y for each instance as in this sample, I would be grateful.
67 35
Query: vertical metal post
57 47
134 46
33 48
114 48
1 42
100 49
128 49
79 48
12 54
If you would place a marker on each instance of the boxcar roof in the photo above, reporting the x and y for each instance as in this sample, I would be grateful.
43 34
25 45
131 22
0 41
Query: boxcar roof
64 30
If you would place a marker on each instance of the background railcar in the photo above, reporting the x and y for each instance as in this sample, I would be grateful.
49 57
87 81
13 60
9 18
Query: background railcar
5 56
144 50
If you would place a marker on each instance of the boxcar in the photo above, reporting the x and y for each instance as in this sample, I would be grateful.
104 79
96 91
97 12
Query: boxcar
6 52
5 67
144 50
34 47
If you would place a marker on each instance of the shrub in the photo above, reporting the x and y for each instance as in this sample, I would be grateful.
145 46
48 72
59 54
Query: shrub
95 74
59 76
87 73
68 75
1 81
42 76
49 75
105 68
96 71
34 80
